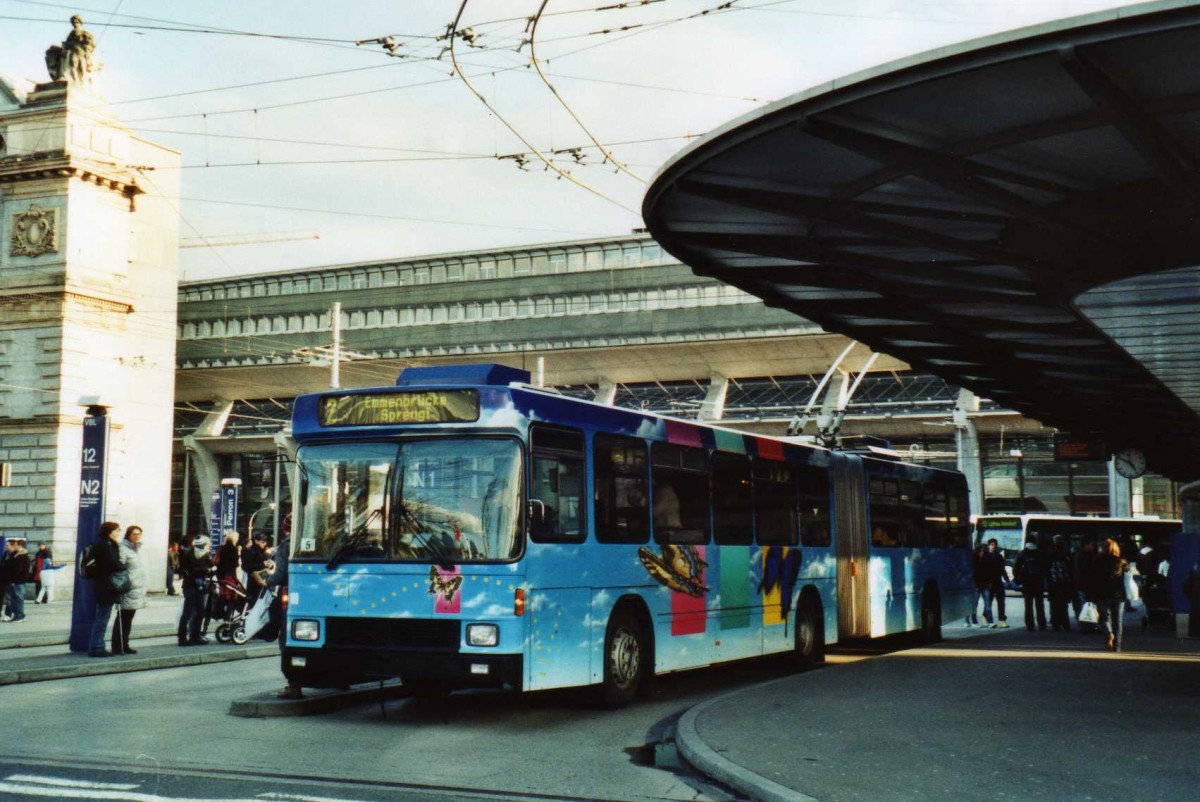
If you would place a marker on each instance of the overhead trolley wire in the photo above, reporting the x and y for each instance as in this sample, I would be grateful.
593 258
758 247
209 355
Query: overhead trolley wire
453 32
537 65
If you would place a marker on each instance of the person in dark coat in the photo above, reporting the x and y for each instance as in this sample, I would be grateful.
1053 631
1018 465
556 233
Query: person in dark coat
20 570
1030 571
254 563
1082 568
1106 587
1060 587
195 561
108 562
991 569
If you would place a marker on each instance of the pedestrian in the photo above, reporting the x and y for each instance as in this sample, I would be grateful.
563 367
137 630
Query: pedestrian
133 599
20 571
195 562
278 580
1060 586
49 580
254 564
172 567
5 575
1081 564
108 563
983 591
1030 571
228 559
1106 587
43 560
993 570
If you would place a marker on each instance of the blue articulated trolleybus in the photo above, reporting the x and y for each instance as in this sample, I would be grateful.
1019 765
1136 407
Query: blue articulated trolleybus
463 529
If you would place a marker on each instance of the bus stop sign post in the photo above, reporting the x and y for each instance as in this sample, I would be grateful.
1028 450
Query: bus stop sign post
92 475
229 508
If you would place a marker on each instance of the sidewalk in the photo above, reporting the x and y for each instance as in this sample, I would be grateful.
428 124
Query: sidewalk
984 715
36 649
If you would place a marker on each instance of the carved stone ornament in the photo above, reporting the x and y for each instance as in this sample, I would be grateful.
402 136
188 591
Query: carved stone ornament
34 232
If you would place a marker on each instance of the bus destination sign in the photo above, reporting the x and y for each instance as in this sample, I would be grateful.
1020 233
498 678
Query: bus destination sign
383 409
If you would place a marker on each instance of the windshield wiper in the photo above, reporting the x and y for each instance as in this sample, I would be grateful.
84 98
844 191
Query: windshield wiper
440 556
352 542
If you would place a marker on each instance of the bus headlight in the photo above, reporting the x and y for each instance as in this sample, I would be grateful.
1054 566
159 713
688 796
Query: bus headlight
483 634
306 629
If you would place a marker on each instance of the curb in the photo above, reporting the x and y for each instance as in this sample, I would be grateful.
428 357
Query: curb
713 764
268 705
89 667
57 639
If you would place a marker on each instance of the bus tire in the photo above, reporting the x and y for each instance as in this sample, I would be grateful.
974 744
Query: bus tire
931 617
810 633
624 659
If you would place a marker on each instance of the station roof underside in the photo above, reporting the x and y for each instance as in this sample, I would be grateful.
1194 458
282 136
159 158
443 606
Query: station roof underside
1017 215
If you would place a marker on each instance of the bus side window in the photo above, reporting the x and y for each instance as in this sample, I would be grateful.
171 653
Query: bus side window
814 507
884 504
680 494
957 513
621 479
775 503
732 503
938 515
556 490
914 530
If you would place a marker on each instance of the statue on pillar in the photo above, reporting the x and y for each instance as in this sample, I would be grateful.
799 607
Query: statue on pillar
72 60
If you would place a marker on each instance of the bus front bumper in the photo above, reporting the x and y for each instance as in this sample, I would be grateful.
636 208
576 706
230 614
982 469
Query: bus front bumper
332 668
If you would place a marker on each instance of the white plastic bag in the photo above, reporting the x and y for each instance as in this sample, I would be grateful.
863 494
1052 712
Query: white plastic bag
1088 614
1131 588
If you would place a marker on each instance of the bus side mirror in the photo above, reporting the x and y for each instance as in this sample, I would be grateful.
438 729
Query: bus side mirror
537 513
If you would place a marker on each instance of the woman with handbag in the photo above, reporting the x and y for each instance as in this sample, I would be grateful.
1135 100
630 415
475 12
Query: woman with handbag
108 563
1106 587
134 597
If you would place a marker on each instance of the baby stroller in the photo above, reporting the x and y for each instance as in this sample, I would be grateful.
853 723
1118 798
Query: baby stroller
233 599
245 624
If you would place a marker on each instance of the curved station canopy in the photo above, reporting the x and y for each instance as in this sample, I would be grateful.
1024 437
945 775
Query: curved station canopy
1019 215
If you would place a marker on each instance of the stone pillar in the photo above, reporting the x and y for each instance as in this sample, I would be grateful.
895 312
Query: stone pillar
713 408
966 436
88 285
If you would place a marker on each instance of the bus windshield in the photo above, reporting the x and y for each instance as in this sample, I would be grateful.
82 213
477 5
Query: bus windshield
1009 532
444 500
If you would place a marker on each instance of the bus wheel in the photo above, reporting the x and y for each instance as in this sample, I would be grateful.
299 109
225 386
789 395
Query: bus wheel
931 618
810 637
624 660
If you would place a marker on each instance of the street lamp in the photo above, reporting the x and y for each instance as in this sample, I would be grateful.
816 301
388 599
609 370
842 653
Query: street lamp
270 506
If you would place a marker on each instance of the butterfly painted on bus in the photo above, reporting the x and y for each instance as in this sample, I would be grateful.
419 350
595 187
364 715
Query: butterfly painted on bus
445 586
780 571
679 568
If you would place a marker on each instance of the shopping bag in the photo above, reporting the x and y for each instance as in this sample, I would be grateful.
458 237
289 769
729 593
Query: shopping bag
1131 588
1088 614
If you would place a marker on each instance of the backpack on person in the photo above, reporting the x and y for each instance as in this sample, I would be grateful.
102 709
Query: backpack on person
88 566
1060 573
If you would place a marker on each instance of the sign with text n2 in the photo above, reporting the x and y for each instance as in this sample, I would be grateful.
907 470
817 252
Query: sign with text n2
92 475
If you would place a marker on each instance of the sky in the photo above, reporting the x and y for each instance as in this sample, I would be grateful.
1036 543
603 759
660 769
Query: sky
306 142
